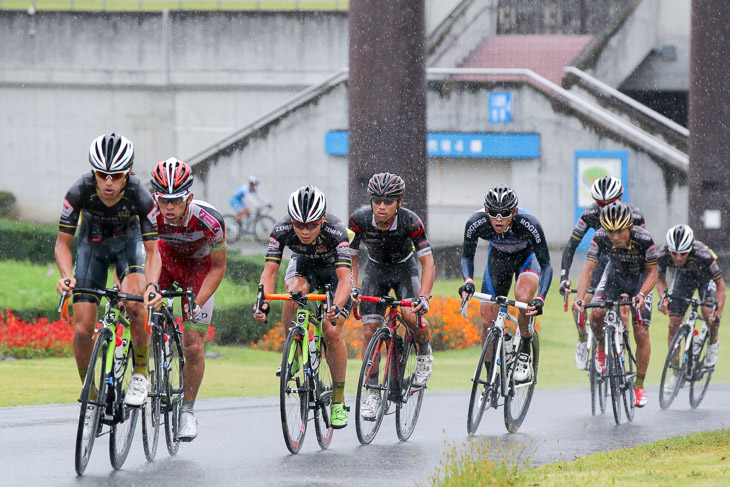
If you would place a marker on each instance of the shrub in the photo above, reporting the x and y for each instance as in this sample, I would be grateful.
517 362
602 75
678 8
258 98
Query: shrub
33 242
234 324
7 205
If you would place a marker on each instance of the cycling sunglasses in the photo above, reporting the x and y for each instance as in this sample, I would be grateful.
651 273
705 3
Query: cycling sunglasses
601 204
308 226
113 176
171 199
500 213
379 200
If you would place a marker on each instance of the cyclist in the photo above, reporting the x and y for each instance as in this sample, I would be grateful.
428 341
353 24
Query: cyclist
238 200
632 270
117 227
695 267
604 190
321 255
517 247
392 234
193 251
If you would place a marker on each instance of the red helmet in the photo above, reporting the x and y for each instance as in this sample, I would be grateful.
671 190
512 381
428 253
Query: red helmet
172 177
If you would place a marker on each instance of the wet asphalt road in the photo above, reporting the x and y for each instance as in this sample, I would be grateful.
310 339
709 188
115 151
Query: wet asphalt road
240 442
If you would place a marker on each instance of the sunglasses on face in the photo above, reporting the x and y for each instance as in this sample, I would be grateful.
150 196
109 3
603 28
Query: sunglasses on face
601 204
383 200
113 176
308 226
500 213
677 254
163 199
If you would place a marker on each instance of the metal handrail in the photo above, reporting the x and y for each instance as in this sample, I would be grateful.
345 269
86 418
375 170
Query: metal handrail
677 158
609 90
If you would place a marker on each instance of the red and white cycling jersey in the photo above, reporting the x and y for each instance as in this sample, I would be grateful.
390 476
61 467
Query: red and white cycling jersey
185 248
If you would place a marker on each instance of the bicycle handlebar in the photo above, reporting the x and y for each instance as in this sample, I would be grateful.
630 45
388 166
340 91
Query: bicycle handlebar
500 300
391 302
297 296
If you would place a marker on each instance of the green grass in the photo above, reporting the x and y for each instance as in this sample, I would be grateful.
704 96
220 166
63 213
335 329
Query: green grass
158 5
27 286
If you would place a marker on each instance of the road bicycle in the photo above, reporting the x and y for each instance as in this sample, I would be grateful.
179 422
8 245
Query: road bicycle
598 380
686 356
107 380
493 378
259 225
620 367
165 374
305 378
388 370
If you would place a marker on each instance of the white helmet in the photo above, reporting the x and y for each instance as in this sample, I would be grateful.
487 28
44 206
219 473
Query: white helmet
111 153
680 239
307 204
607 189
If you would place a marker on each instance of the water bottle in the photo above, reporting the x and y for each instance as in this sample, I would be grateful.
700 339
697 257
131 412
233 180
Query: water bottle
507 342
121 344
699 337
313 357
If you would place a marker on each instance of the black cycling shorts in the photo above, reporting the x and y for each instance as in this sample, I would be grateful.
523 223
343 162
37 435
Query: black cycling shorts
502 267
684 286
380 279
93 259
613 284
317 272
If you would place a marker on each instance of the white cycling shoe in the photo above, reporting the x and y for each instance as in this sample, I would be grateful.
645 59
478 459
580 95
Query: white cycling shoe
188 427
424 367
137 392
370 406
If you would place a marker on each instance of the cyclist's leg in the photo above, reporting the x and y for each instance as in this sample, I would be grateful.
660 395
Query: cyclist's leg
406 284
707 293
528 279
641 332
497 281
296 278
372 313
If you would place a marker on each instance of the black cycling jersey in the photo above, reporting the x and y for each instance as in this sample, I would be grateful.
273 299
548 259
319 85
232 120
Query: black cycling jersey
589 219
638 254
100 222
331 247
701 263
391 246
525 233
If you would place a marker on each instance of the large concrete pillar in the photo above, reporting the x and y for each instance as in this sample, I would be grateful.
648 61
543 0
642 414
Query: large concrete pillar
709 121
388 97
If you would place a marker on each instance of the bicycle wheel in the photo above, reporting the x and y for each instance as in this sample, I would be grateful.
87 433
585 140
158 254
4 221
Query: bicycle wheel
125 417
628 367
93 397
701 376
674 365
373 378
599 386
262 228
294 391
173 386
152 407
615 373
519 395
483 391
324 399
411 397
233 230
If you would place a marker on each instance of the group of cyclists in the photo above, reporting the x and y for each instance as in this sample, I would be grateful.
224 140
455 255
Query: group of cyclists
166 237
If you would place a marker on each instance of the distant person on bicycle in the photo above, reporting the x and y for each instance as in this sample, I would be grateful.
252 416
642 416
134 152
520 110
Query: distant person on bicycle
395 237
250 190
517 248
695 268
118 227
321 255
632 270
193 251
604 190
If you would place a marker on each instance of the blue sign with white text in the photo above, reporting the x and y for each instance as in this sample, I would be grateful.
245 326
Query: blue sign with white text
454 144
500 107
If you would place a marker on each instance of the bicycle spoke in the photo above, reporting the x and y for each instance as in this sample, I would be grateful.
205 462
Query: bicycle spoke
674 366
125 417
151 409
520 395
323 391
701 375
373 379
410 397
293 392
172 385
484 391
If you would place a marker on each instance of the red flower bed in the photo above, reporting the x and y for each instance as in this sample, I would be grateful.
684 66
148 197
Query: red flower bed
30 340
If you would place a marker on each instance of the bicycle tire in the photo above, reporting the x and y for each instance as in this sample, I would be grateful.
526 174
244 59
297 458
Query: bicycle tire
677 368
628 367
482 390
262 227
409 403
233 229
612 371
701 373
173 386
294 391
151 410
95 378
125 417
599 383
324 388
519 396
375 363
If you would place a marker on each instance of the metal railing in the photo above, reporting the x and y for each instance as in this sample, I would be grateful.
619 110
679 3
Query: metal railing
159 5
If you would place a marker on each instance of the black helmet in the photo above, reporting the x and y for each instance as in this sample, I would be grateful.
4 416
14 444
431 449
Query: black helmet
307 204
111 153
500 198
616 216
387 185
